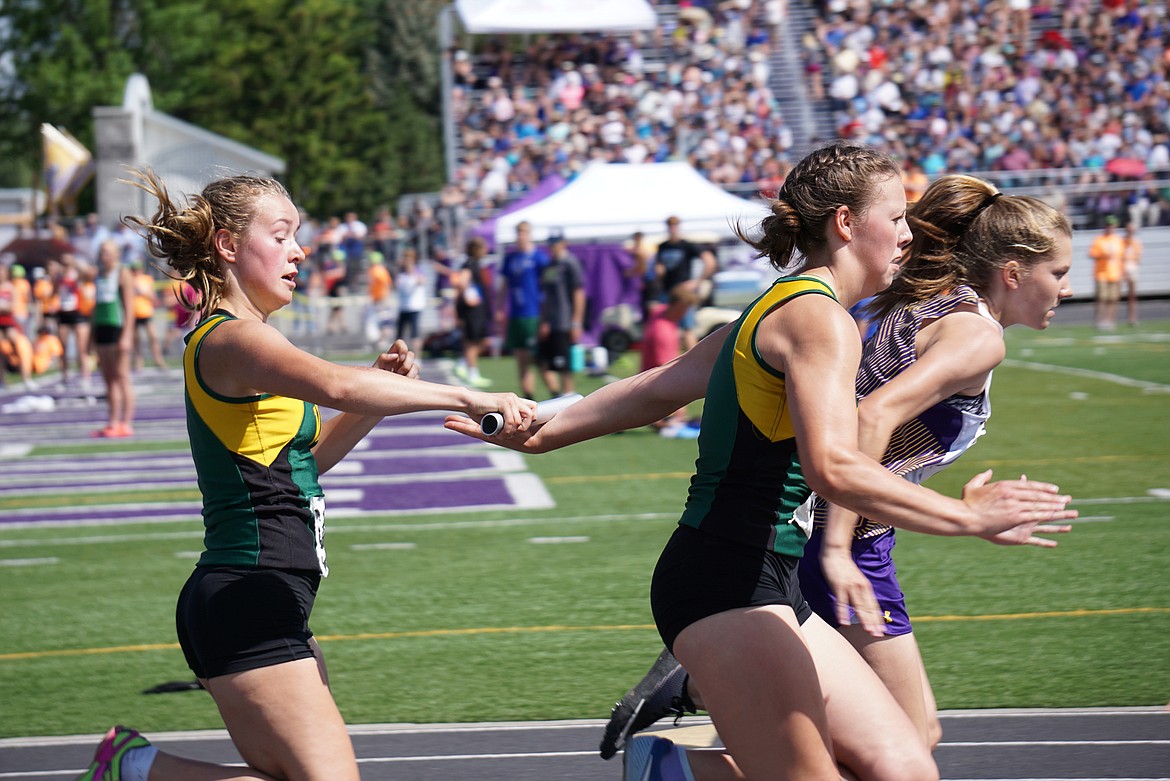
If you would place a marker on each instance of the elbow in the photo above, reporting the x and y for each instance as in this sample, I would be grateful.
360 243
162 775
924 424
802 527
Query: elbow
827 487
339 390
829 475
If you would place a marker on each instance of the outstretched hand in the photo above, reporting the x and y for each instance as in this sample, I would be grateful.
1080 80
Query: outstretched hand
1013 510
519 439
399 359
517 413
1025 533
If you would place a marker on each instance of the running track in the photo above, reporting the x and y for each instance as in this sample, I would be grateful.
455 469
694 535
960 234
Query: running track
1038 745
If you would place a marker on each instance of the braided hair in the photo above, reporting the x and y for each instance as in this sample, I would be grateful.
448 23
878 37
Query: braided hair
836 175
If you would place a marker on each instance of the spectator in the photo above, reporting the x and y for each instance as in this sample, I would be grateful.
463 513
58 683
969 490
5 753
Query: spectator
73 325
22 298
17 348
145 303
562 315
47 351
379 286
518 306
674 265
333 277
662 339
412 295
472 311
1108 255
113 336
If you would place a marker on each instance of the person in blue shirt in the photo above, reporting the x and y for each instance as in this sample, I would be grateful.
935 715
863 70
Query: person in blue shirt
518 310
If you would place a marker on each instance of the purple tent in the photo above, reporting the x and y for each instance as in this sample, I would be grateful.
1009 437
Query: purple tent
486 230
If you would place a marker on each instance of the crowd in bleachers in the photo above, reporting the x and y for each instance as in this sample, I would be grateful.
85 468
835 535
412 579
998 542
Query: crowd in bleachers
1035 93
955 85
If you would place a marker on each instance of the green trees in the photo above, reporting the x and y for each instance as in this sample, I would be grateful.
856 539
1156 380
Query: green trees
346 92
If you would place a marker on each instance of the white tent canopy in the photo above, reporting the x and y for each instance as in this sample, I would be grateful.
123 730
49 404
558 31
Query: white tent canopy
613 200
535 16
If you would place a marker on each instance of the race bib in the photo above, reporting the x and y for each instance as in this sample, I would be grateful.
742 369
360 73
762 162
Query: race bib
802 516
317 506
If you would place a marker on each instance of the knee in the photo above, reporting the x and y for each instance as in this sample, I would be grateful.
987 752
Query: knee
905 765
920 767
934 732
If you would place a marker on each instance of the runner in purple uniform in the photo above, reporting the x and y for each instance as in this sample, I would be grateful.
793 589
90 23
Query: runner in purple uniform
980 261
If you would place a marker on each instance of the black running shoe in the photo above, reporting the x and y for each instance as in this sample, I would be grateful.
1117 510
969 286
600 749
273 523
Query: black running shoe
661 693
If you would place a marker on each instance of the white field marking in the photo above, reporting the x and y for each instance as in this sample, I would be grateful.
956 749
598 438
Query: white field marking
29 562
386 546
476 757
345 473
1153 495
15 450
498 461
1089 519
333 529
188 554
995 713
36 466
556 540
112 509
211 735
1047 743
527 490
1116 379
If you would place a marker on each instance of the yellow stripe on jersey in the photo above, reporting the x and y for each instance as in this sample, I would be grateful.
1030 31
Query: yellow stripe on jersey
759 385
256 427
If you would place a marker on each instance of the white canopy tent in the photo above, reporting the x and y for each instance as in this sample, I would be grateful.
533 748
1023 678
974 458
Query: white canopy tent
536 16
610 201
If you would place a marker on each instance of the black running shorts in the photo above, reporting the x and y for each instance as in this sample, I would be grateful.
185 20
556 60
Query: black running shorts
700 575
554 350
232 619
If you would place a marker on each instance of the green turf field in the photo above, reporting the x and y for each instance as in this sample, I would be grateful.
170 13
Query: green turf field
477 622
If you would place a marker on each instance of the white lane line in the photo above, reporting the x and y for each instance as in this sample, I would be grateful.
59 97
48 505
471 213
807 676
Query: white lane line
1116 379
29 562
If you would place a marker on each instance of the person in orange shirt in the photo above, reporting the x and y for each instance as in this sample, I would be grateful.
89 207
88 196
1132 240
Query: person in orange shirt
1130 266
46 351
145 302
44 291
1108 255
379 284
914 181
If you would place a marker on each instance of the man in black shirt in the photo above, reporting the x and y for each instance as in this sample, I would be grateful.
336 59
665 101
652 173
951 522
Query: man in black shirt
674 265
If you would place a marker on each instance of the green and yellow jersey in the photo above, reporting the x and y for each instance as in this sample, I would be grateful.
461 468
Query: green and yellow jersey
748 482
262 503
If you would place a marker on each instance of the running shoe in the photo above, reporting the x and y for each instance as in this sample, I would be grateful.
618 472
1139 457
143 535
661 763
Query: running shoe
116 431
661 693
650 758
107 760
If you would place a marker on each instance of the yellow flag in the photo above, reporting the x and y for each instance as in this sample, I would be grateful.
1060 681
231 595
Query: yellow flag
68 165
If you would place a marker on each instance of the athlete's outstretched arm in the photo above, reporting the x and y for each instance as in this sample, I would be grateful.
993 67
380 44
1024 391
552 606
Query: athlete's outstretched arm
635 401
819 362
